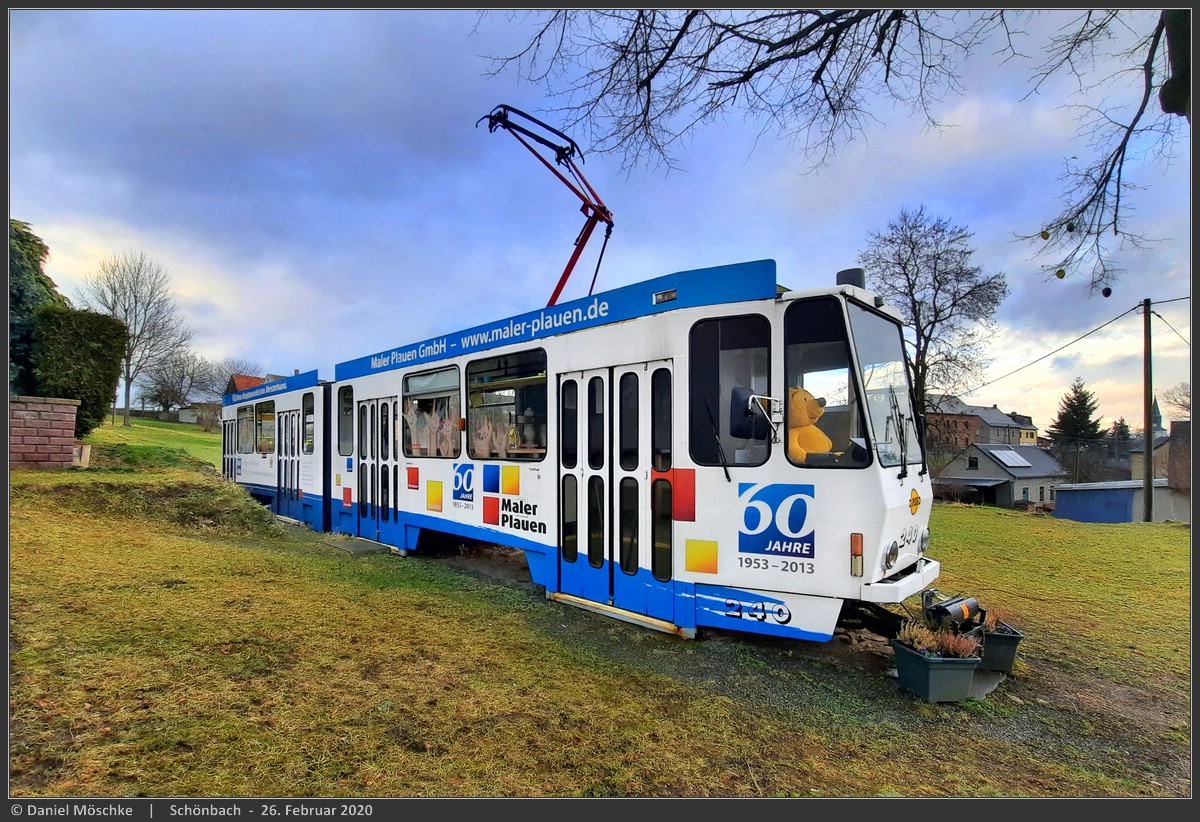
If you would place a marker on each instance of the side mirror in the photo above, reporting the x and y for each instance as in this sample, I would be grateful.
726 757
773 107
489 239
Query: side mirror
746 419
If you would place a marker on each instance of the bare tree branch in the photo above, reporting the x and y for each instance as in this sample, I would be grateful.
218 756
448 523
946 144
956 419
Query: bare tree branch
922 265
1179 398
136 290
639 83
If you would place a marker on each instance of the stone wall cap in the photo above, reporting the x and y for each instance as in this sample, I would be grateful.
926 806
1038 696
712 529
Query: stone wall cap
43 400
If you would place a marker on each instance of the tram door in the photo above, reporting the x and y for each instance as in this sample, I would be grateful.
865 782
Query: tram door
229 449
377 466
287 491
615 435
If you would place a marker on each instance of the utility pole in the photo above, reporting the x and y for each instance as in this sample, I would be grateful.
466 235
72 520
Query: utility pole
1148 425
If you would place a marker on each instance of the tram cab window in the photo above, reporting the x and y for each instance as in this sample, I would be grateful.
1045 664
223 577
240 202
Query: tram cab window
506 406
432 408
729 357
245 430
817 360
264 427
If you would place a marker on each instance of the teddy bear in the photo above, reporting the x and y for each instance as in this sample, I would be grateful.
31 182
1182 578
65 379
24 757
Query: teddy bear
804 437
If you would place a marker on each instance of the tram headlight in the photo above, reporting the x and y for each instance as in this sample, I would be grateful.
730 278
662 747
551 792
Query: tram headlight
891 555
923 545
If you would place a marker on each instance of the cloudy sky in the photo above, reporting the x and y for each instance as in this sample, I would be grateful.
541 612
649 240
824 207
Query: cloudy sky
318 188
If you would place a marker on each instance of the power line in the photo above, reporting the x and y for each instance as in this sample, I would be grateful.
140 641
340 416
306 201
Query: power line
1052 353
1077 339
1177 334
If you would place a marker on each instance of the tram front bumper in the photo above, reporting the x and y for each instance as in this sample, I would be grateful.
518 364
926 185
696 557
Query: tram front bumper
900 586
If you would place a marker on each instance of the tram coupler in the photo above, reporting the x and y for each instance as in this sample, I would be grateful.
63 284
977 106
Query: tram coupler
964 612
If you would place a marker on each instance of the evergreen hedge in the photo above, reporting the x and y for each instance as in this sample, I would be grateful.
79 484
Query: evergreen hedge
77 355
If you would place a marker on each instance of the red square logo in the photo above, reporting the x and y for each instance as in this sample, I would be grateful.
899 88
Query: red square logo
491 510
414 477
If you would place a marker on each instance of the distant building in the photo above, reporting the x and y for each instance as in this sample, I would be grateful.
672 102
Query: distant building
242 382
1161 456
1002 475
952 425
1156 421
1124 500
1120 501
195 412
1029 431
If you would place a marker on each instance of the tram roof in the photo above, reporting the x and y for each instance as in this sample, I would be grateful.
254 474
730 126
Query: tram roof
269 389
684 289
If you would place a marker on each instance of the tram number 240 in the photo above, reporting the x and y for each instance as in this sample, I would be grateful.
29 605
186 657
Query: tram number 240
761 611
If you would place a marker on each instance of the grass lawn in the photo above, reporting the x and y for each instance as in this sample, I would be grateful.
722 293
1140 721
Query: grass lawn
168 638
143 436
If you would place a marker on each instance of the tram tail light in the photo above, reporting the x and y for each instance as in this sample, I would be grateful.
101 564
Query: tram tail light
856 555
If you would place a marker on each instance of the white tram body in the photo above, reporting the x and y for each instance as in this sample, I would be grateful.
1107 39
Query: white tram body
274 445
637 446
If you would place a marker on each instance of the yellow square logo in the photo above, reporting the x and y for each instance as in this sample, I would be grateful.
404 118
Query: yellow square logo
510 480
701 556
433 495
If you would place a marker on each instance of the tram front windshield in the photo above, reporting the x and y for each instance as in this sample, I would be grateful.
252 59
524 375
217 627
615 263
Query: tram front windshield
880 348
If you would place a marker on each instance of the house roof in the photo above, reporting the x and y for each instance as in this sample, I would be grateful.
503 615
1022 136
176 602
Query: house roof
240 382
990 414
1158 482
974 482
1137 447
1022 461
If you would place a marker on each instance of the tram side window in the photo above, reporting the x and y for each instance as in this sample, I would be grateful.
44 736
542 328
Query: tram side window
727 354
245 430
817 359
660 420
310 424
264 427
432 408
346 421
506 406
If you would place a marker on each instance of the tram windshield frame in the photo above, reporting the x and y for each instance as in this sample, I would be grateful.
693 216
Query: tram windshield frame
883 373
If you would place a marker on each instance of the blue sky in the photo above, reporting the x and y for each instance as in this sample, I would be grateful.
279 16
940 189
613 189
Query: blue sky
317 187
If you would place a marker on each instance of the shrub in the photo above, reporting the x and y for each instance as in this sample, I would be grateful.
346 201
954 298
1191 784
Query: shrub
958 646
916 635
77 355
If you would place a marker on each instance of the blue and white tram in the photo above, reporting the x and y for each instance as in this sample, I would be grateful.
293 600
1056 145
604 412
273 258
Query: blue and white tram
274 444
637 446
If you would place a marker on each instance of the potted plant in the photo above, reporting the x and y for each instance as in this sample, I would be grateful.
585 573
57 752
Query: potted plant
999 641
936 665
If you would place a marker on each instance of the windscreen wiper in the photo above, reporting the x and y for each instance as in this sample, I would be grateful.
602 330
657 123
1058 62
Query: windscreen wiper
717 435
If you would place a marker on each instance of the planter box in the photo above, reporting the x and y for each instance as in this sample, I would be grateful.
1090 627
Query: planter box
1000 650
934 679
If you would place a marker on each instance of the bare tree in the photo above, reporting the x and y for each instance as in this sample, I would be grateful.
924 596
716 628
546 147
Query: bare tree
640 81
922 265
216 379
137 291
1180 399
175 380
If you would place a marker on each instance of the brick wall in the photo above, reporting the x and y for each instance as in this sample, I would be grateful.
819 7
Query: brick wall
41 432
